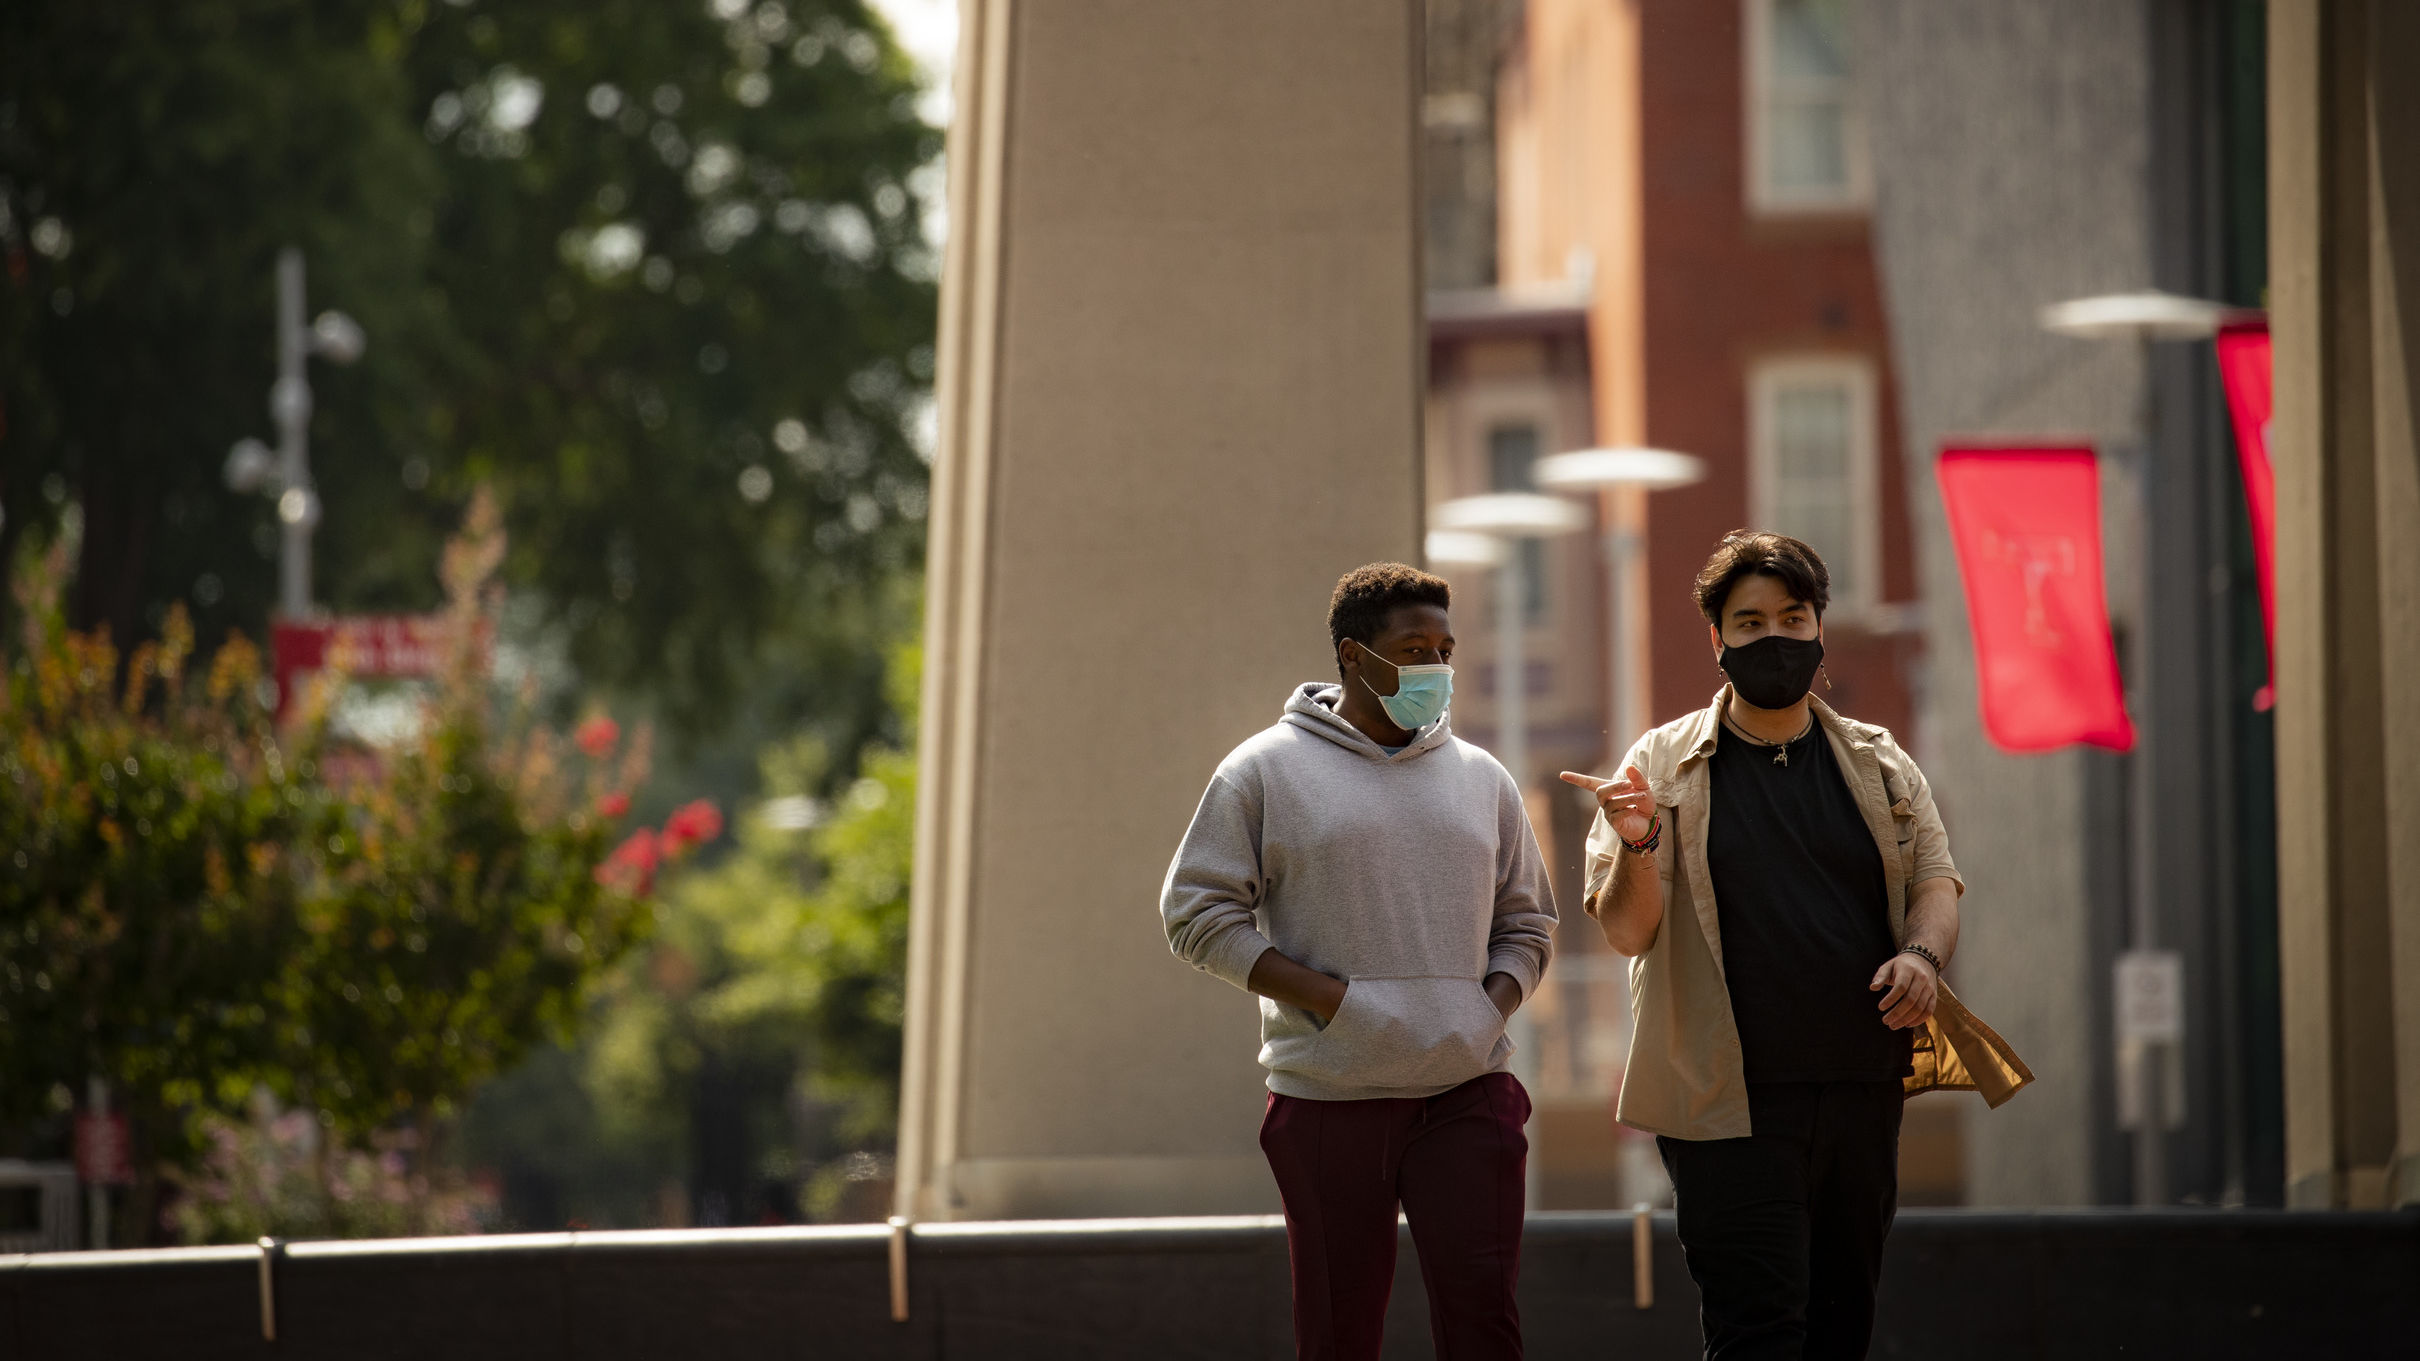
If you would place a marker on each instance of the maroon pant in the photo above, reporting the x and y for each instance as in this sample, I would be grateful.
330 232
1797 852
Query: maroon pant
1454 1162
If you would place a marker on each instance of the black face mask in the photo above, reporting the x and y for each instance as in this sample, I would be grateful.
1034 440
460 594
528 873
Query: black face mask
1773 672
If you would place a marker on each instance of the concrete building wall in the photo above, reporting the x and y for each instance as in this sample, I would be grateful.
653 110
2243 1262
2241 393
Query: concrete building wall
1180 393
2011 149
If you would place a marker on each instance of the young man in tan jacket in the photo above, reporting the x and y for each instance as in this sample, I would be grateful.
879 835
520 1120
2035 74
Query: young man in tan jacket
1782 883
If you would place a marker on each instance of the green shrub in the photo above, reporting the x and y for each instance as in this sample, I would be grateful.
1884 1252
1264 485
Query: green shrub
203 904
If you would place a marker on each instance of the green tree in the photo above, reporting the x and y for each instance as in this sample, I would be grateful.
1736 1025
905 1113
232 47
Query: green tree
653 271
152 160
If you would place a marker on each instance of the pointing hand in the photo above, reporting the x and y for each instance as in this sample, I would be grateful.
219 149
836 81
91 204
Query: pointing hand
1628 803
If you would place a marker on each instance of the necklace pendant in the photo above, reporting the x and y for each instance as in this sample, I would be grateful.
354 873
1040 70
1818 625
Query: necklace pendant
1781 756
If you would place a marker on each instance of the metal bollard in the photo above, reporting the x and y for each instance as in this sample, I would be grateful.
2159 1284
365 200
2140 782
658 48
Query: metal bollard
1642 1256
270 1250
899 1246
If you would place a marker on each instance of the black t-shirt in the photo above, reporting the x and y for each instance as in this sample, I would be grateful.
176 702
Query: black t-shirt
1805 916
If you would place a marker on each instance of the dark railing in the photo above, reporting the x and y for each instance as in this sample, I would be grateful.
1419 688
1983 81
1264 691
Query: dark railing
1958 1284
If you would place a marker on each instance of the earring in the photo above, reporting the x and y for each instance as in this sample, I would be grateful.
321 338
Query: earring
1827 675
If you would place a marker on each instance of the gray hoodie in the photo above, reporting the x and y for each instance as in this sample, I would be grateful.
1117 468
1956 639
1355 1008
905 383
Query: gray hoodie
1412 876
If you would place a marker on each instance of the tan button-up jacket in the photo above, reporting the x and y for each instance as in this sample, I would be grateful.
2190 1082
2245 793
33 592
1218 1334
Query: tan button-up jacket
1684 1077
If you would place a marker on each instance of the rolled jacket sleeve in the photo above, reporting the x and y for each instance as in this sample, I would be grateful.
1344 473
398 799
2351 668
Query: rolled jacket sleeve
1929 840
1214 884
1521 939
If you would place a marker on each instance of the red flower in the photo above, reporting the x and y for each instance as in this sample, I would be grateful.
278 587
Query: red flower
614 805
631 867
692 824
597 736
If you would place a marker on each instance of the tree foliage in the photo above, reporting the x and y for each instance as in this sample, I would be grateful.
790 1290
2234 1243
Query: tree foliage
654 271
202 905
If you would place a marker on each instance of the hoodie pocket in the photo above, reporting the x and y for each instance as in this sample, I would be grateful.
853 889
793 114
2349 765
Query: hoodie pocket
1409 1032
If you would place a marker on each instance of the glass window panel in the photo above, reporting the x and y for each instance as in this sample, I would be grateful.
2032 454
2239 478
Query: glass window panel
1512 457
1809 38
1512 454
1806 145
1811 433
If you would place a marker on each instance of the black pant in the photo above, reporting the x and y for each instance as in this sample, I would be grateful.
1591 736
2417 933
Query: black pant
1783 1230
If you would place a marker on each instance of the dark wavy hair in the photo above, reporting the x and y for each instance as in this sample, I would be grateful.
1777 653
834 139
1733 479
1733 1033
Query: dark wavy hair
1761 552
1366 596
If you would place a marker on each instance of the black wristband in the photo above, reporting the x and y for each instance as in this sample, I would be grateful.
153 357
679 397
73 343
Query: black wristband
1920 952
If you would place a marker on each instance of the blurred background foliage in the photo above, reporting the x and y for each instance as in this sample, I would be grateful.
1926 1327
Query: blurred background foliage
213 910
653 271
659 275
743 1066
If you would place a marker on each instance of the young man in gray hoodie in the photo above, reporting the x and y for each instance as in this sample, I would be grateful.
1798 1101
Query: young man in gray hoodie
1375 880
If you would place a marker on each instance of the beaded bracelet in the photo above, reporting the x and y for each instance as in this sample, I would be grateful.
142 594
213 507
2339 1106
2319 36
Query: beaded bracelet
1920 952
1645 845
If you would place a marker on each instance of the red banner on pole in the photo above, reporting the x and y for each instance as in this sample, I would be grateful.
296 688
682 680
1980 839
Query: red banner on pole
2243 362
2027 525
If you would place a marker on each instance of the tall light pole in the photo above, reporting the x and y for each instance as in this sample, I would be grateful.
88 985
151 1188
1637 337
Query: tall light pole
1614 474
1510 517
286 474
2148 981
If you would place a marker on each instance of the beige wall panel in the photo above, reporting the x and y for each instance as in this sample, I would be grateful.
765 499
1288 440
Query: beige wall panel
2341 238
2395 302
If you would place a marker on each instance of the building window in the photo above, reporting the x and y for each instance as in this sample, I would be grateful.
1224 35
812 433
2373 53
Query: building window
1806 132
1812 465
1512 460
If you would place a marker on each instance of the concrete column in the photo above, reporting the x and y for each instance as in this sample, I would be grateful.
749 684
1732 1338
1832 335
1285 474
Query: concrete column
2342 228
1180 389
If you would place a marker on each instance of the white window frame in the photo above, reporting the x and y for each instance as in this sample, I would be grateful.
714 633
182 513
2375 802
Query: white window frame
1765 198
1856 375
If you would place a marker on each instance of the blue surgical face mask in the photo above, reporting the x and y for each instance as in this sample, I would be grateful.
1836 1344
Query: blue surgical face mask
1421 692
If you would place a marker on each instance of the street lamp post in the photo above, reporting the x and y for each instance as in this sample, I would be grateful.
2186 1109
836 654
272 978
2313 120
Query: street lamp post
286 474
1508 518
2148 981
1614 474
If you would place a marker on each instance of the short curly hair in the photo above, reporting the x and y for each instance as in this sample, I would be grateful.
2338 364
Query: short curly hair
1366 596
1761 552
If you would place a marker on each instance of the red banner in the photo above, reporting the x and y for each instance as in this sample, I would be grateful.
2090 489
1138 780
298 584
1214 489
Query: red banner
366 645
2027 525
2243 361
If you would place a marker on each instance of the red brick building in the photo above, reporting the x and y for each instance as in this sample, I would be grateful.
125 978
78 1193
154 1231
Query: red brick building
1702 164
